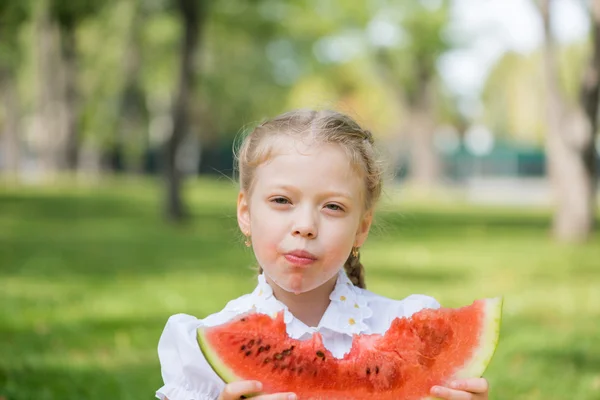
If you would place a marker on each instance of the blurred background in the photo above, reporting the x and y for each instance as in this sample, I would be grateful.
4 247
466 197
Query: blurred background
117 183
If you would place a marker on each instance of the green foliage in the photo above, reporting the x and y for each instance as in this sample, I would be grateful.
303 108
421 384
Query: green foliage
514 94
89 276
70 13
13 15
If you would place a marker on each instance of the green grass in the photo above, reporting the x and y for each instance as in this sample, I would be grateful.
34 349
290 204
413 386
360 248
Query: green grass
89 276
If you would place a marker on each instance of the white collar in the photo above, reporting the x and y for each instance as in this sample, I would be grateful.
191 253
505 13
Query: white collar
345 314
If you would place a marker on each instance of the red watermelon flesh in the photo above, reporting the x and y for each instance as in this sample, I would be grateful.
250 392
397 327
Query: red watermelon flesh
416 353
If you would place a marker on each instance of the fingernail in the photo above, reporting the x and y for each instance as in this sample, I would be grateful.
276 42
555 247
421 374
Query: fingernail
436 390
454 385
258 385
292 397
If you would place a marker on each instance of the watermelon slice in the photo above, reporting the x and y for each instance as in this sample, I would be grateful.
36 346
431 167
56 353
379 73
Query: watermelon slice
416 353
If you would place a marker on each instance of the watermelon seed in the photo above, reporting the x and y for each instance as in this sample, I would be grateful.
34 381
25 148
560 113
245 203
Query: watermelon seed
278 356
250 344
376 370
320 354
248 353
268 347
267 360
286 352
243 320
368 371
243 347
259 341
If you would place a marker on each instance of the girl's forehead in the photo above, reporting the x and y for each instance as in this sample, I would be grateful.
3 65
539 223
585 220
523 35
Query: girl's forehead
309 164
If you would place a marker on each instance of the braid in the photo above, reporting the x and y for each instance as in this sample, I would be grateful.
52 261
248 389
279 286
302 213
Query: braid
355 271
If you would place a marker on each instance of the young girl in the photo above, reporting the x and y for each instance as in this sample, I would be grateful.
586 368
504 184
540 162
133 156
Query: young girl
309 183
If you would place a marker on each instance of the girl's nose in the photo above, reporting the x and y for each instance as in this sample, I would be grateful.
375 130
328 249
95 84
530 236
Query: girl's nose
305 226
305 231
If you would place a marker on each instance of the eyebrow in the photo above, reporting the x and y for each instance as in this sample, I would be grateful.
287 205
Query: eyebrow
331 193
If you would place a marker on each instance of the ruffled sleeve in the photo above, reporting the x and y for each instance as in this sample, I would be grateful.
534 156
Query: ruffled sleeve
185 372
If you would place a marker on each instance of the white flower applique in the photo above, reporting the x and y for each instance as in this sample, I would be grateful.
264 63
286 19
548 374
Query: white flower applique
349 309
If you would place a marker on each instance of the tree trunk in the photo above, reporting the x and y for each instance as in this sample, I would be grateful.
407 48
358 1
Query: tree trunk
68 100
192 15
570 139
11 127
48 119
132 129
425 161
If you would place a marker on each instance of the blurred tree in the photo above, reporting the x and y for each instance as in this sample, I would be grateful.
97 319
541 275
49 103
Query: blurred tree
13 14
571 133
412 71
193 15
58 74
132 122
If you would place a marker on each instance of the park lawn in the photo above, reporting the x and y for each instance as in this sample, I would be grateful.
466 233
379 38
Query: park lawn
89 276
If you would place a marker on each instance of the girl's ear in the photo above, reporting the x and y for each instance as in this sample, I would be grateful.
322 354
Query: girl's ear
363 228
243 213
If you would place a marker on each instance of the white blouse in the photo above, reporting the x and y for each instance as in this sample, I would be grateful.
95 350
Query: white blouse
187 375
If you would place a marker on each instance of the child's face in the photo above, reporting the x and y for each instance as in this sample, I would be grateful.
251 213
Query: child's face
304 199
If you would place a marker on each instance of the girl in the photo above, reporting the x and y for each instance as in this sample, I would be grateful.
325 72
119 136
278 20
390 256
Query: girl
309 183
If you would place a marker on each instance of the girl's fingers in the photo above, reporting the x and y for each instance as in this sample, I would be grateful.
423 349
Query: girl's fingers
473 385
235 390
278 396
450 394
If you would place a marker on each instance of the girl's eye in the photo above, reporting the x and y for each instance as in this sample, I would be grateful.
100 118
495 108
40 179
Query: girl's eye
280 200
334 207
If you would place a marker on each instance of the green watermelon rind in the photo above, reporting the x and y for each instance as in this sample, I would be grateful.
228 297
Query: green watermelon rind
476 366
214 360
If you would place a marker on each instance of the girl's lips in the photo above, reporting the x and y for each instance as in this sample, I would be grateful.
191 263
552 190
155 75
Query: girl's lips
300 257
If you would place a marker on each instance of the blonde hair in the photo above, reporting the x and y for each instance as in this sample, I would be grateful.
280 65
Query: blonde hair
320 127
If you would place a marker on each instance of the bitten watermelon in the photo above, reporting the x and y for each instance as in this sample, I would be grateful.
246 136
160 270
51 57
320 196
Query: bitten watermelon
416 353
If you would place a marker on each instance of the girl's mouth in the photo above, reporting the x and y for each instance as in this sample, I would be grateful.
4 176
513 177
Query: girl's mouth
300 258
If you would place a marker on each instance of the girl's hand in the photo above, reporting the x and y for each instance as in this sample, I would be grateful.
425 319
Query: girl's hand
235 391
463 389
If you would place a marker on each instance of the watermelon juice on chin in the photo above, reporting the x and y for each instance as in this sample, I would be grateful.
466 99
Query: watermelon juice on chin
430 348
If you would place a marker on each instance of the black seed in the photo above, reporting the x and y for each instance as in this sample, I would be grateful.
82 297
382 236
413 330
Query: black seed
286 352
243 347
267 360
251 343
268 347
376 370
320 354
248 353
368 371
292 348
243 319
278 356
259 341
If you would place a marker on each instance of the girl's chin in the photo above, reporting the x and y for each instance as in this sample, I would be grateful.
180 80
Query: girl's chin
293 283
